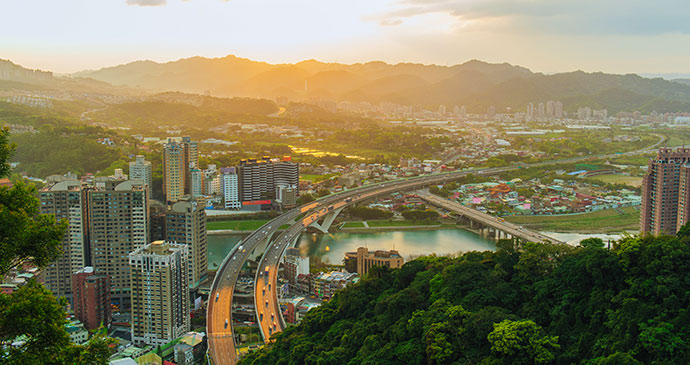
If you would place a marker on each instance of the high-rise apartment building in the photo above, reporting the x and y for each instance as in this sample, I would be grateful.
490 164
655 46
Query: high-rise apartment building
558 109
118 224
178 159
529 115
174 171
191 159
185 223
230 188
140 170
160 298
197 182
258 179
66 200
91 298
666 192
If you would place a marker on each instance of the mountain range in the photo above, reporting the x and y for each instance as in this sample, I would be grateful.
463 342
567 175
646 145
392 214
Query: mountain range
475 84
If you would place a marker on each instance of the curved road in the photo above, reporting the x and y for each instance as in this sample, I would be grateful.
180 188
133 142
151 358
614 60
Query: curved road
221 345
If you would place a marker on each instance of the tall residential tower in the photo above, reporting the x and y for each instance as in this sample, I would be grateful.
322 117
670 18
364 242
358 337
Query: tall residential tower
118 224
66 200
160 298
666 192
185 223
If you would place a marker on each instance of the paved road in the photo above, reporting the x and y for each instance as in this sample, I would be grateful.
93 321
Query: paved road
221 342
487 219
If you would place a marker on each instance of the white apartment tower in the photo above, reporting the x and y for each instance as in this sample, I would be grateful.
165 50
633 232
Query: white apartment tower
66 200
140 170
160 298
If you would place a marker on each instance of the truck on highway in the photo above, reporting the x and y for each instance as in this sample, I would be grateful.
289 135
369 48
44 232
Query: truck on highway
266 270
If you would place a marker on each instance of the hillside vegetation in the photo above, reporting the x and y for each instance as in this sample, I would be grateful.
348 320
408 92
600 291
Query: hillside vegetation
522 304
475 84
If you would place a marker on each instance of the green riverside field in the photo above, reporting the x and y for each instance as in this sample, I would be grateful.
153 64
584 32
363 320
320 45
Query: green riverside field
634 181
604 221
251 225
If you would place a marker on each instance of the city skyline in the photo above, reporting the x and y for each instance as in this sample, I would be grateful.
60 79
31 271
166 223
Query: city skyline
614 36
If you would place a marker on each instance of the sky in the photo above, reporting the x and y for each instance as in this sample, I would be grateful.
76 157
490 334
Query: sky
615 36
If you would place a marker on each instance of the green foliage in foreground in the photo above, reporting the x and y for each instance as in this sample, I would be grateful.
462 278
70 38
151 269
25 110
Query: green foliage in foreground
522 304
34 317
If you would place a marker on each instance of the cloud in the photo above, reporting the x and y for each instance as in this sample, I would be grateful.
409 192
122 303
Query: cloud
146 2
573 17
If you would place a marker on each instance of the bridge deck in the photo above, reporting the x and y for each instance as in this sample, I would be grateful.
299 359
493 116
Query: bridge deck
488 220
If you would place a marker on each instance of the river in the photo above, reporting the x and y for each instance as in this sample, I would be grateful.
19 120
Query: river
332 247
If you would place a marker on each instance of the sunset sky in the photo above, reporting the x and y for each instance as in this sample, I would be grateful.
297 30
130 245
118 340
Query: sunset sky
618 36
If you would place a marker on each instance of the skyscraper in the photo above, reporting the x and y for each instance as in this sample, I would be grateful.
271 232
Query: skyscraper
66 201
191 160
230 188
91 298
558 109
530 112
258 179
665 192
178 160
185 223
550 108
160 298
118 224
197 183
174 171
140 170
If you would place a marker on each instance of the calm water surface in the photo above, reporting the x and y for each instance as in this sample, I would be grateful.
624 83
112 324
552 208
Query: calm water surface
332 247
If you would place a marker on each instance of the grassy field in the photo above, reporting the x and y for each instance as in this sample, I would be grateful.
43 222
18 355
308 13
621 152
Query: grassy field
353 225
403 223
236 225
634 181
604 221
315 178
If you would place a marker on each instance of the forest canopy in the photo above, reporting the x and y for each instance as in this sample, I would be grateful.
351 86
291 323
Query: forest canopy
522 304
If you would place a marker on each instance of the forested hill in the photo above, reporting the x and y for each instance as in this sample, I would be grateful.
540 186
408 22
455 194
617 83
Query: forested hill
536 303
475 84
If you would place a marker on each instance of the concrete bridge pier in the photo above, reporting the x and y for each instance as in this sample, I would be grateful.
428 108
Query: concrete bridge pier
261 247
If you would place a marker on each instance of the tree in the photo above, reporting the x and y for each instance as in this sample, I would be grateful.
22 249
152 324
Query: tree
592 242
24 234
6 150
305 198
521 342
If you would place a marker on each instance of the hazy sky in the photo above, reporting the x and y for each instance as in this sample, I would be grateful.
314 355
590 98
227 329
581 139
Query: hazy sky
618 36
